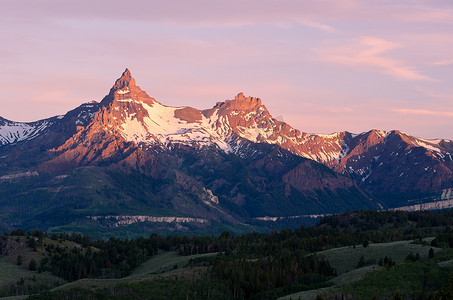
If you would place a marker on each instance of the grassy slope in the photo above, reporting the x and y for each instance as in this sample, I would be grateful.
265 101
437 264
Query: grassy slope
162 264
408 278
165 262
158 265
345 260
11 274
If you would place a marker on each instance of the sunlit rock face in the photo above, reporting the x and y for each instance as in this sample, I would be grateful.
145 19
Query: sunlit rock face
130 129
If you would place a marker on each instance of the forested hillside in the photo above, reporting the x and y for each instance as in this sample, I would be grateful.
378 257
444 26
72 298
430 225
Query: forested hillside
249 266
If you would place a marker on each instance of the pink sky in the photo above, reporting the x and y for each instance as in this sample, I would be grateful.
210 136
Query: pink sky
323 65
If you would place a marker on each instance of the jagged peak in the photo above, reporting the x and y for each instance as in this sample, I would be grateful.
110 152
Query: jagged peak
240 102
126 80
380 133
126 88
240 97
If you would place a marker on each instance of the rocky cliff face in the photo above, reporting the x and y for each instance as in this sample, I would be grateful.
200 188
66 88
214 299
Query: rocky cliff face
376 160
254 165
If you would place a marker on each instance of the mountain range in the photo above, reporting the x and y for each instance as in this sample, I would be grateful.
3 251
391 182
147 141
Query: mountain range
131 164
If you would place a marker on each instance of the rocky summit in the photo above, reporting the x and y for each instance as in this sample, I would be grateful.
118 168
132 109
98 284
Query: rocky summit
133 164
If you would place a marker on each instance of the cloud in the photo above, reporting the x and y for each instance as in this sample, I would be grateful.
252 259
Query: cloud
423 112
368 52
339 109
328 108
231 12
195 13
443 63
317 25
444 96
428 13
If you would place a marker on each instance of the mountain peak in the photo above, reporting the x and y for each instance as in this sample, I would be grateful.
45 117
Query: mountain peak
126 80
126 89
240 97
242 102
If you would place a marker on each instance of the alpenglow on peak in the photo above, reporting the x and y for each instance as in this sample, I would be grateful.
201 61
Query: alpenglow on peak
126 80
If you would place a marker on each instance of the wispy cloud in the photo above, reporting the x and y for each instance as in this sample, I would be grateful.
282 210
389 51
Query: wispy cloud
423 112
339 109
427 13
369 52
445 96
200 51
316 25
443 63
328 108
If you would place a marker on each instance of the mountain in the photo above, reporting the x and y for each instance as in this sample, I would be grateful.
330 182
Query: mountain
14 132
132 161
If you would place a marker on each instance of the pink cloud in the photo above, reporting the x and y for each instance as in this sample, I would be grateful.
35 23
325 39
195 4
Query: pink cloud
316 25
444 96
423 112
328 108
427 13
204 13
444 63
320 15
369 52
201 51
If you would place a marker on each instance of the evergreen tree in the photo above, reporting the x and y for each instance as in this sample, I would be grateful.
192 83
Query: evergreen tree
32 265
397 296
361 262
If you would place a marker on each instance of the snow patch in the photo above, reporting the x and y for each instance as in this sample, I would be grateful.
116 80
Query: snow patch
161 126
121 92
329 136
427 146
13 132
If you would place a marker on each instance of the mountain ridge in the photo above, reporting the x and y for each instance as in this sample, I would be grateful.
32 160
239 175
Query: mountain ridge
121 92
141 119
253 164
